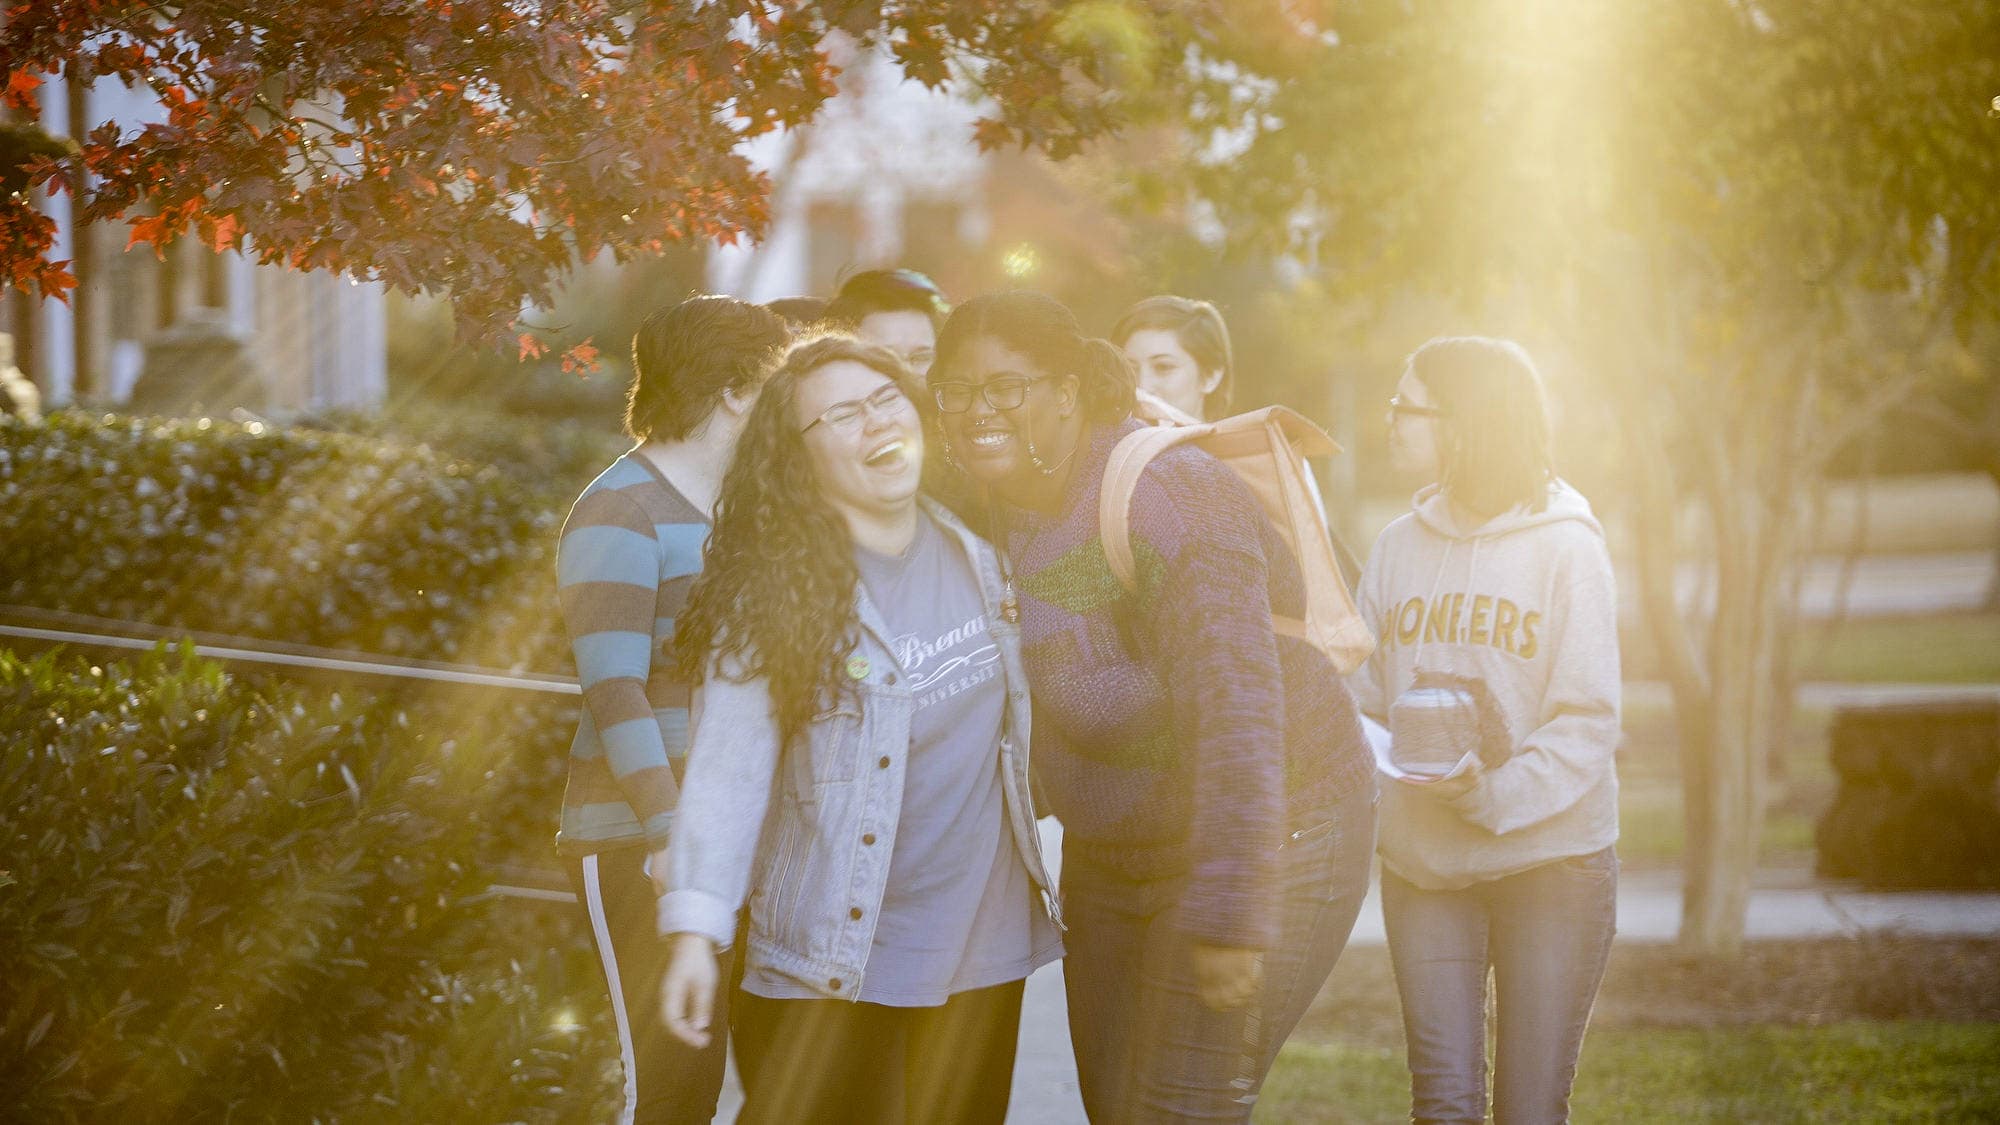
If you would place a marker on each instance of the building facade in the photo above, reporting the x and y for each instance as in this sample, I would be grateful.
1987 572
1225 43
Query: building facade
302 340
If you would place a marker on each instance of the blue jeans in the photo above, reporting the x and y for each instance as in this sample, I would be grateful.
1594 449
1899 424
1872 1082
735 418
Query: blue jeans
1147 1048
1545 934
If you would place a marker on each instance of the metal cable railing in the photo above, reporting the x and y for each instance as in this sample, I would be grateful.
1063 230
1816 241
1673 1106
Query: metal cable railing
29 628
46 628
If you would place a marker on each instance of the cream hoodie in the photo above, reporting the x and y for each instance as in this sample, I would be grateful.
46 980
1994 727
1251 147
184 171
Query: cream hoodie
1526 603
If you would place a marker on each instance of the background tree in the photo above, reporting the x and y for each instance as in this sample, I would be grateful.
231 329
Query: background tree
1755 226
481 147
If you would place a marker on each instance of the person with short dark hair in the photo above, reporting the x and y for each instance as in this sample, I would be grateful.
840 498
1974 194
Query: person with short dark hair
899 309
1216 796
799 312
1180 349
629 551
1495 677
858 773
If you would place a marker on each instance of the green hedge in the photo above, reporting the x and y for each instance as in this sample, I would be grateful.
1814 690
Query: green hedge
548 457
295 534
227 902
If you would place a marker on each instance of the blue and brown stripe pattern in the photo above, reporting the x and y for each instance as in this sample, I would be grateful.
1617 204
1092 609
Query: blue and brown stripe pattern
629 552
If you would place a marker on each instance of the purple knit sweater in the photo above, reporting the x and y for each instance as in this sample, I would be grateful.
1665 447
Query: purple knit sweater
1175 734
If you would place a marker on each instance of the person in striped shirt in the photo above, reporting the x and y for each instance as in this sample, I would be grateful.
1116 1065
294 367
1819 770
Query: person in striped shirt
629 551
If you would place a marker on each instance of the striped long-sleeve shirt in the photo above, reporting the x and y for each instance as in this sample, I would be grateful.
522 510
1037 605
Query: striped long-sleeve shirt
629 552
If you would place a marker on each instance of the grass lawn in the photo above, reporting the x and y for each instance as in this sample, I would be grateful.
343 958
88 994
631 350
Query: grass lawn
1959 648
1870 1030
1859 1072
1954 648
1649 793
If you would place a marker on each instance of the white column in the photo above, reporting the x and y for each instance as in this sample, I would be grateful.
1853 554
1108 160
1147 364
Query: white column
349 342
55 323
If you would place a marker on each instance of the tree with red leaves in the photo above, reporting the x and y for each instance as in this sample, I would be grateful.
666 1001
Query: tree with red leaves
480 148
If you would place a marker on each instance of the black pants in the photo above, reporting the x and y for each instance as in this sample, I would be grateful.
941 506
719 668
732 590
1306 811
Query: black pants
666 1081
837 1061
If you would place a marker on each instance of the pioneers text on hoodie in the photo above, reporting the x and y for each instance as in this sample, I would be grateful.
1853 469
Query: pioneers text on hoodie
1526 603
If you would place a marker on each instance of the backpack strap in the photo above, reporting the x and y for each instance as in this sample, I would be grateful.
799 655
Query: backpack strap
1122 470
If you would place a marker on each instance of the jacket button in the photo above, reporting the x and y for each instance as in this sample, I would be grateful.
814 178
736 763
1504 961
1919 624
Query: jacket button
890 678
834 984
882 762
868 837
854 912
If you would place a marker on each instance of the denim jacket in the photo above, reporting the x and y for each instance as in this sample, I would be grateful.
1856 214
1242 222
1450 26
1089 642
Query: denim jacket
806 834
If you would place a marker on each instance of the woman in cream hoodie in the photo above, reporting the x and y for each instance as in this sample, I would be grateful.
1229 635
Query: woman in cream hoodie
1498 590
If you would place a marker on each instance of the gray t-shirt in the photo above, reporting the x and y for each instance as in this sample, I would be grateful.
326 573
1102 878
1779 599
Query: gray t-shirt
960 911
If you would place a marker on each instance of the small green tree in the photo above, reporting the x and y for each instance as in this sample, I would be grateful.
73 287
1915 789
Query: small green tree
1754 224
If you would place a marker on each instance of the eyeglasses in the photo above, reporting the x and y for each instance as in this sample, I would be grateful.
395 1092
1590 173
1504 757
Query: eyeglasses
1398 406
1004 393
888 401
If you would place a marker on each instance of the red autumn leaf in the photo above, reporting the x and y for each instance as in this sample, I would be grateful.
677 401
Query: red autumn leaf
528 140
221 232
580 360
57 280
531 348
151 228
21 86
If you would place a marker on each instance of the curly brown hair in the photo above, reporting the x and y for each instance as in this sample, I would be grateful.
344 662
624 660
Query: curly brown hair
776 593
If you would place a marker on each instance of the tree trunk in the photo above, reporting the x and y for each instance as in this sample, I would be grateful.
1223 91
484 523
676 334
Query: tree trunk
1723 756
1709 706
1728 685
1755 519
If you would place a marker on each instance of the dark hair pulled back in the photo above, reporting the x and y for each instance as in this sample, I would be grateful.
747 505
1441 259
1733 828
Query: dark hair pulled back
1046 332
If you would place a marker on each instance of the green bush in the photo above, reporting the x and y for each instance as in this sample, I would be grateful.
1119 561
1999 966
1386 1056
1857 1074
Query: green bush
550 458
230 903
293 534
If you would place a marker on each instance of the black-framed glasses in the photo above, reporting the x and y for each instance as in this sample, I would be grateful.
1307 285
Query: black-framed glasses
845 417
1398 407
1004 393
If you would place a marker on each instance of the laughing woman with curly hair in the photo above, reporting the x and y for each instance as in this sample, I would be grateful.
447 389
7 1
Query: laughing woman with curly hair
858 769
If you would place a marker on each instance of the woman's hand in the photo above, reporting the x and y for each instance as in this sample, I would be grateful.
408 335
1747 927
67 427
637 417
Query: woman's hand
1443 787
656 870
687 990
1227 977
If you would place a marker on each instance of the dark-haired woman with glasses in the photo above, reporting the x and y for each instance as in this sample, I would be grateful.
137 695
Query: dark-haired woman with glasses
1215 792
1496 674
858 770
